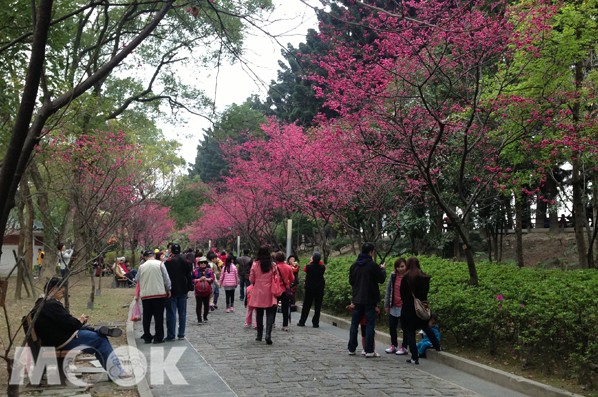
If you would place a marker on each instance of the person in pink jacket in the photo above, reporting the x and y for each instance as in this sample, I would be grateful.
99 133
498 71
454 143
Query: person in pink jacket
262 298
229 279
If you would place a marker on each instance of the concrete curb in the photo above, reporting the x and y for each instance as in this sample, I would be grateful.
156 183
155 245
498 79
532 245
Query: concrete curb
493 375
143 387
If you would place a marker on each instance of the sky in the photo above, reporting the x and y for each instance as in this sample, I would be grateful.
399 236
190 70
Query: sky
289 23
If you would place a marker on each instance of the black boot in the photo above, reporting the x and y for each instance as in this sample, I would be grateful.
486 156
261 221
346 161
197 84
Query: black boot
269 333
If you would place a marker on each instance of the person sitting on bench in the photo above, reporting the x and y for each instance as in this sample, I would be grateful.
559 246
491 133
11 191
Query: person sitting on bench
56 327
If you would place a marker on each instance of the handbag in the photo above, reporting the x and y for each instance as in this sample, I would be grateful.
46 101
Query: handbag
277 287
136 312
287 290
422 309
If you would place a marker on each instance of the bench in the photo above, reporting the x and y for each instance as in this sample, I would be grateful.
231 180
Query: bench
35 346
121 282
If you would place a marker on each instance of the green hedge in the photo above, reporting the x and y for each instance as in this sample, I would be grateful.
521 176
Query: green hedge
544 317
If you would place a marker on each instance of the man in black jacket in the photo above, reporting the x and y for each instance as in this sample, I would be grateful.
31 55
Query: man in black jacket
364 277
244 263
56 327
179 271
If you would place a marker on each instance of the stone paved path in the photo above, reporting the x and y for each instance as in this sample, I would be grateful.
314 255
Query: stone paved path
302 362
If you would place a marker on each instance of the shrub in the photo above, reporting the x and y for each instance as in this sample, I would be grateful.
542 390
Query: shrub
542 316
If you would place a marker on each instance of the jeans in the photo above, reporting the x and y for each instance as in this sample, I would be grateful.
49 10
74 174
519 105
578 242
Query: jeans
176 304
243 283
98 345
370 323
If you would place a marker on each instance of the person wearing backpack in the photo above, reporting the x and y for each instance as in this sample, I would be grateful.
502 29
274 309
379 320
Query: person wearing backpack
203 279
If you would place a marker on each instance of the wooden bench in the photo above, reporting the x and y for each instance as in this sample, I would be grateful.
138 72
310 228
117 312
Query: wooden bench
35 346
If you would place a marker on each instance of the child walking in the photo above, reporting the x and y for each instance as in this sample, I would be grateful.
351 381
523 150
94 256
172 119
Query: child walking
203 279
229 279
249 315
392 306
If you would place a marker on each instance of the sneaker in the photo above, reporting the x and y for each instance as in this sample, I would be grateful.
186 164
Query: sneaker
351 353
391 349
370 355
180 337
300 324
114 332
410 361
247 325
232 308
212 308
401 352
228 310
363 352
286 329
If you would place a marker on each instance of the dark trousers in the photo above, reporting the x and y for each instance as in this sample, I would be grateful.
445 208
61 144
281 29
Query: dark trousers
285 307
410 330
393 324
259 316
310 297
153 308
199 302
243 284
230 297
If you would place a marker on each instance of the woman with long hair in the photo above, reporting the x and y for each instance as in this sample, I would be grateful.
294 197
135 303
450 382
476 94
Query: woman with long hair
262 298
415 283
229 281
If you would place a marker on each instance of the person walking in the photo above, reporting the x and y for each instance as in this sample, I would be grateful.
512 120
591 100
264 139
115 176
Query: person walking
262 298
244 268
314 290
364 277
392 306
229 279
179 270
285 272
153 287
416 284
203 278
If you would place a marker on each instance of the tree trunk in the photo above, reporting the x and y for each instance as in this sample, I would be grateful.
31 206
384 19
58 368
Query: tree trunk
519 208
579 212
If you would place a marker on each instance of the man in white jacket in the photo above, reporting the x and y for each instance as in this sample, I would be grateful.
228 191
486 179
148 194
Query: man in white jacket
154 290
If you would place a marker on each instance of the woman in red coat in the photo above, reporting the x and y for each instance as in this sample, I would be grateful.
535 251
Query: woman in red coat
262 298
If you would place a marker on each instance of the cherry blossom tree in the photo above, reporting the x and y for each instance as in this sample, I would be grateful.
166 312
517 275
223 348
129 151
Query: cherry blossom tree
425 92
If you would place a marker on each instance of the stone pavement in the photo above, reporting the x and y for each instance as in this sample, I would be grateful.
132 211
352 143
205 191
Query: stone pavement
222 358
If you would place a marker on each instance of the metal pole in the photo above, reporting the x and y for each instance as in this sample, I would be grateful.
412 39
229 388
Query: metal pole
289 236
238 246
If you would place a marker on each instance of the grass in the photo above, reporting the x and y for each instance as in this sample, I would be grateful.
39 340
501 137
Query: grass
111 307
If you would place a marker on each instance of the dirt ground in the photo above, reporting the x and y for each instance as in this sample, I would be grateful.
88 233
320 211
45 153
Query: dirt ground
544 248
110 308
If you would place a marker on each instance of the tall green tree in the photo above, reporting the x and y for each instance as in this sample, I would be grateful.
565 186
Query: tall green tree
237 123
